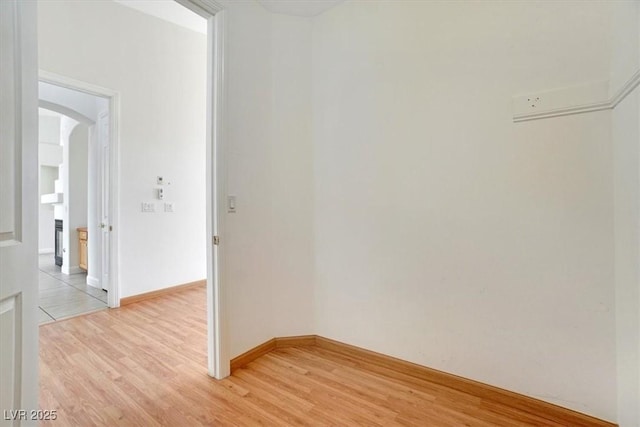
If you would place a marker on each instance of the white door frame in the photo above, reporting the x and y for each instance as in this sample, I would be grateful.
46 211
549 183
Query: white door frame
102 212
113 296
217 347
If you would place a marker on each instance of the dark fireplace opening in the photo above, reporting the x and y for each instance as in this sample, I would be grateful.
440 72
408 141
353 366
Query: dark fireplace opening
58 254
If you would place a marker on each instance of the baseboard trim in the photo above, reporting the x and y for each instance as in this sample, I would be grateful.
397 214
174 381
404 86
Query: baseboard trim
160 292
268 346
72 270
249 356
296 341
93 281
555 413
485 391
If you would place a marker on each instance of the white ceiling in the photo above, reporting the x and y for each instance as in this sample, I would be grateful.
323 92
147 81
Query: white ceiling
169 10
299 7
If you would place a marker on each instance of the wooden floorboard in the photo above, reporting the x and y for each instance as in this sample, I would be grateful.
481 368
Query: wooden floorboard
145 365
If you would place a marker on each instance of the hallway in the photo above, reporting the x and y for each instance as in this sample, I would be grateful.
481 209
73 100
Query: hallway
62 296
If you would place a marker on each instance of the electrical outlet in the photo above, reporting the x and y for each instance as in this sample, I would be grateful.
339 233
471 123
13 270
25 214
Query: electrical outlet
168 207
533 101
160 180
148 207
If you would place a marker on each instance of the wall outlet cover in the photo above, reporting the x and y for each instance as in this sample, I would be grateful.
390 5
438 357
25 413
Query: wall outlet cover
148 207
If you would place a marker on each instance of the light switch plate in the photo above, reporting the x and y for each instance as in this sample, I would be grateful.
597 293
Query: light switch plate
231 204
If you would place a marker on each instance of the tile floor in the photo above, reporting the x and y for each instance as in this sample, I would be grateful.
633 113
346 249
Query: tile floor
63 295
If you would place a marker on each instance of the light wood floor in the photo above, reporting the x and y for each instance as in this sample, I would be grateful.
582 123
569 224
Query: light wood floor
145 365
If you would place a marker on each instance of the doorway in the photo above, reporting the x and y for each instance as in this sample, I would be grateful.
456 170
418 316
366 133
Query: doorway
82 200
19 191
67 200
218 361
150 168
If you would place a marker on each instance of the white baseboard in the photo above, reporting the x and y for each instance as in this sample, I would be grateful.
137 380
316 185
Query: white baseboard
45 251
72 270
94 282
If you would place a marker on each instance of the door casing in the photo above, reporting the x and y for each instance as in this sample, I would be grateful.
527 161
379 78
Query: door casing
217 348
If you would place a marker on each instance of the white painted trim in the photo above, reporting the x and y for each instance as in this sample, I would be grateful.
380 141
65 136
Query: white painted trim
565 111
8 238
71 83
223 365
114 173
626 89
74 269
8 304
65 111
93 282
218 363
13 236
45 251
608 104
113 286
212 353
205 8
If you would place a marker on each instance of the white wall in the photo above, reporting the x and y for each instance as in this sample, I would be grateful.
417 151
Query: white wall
248 236
268 241
49 154
49 129
159 70
292 171
446 234
76 197
74 138
625 62
61 211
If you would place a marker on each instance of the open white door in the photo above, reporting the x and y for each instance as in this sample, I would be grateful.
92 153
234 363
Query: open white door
103 204
18 214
